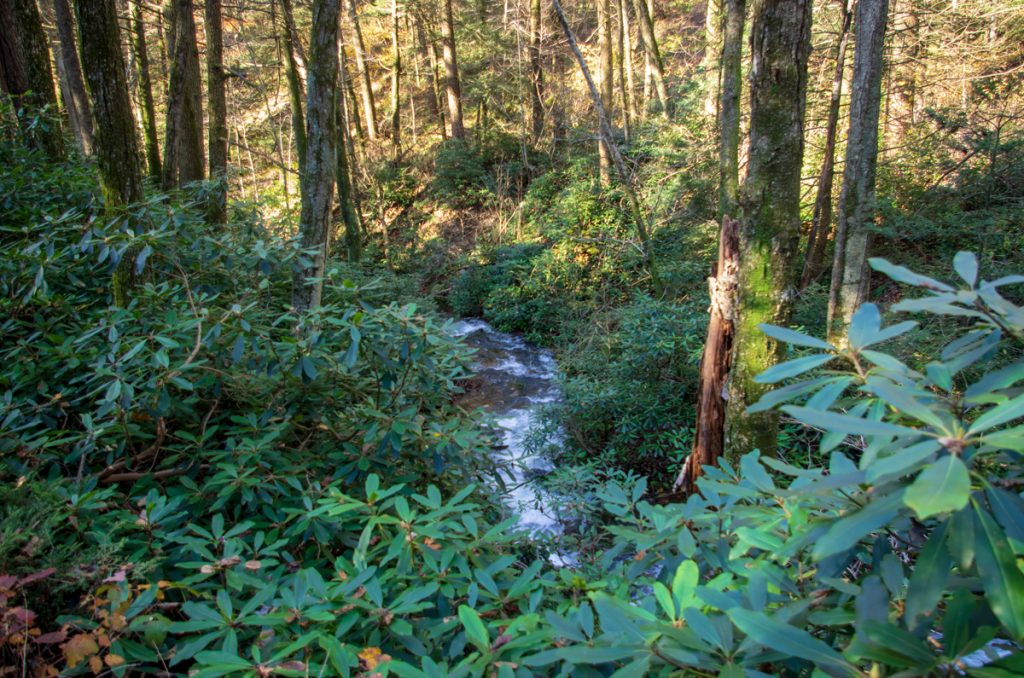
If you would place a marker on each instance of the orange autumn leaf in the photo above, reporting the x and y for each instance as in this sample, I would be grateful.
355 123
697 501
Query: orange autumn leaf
372 657
113 660
79 647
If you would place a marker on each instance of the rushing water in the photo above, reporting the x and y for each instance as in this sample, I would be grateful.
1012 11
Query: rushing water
514 381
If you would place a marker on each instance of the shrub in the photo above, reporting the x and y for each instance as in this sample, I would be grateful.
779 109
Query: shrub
461 179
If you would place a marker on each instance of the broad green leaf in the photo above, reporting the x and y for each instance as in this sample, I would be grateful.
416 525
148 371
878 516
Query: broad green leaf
684 584
966 266
864 326
891 644
929 577
843 423
1007 411
794 338
943 487
1001 577
476 632
792 368
906 402
902 461
846 532
787 639
905 275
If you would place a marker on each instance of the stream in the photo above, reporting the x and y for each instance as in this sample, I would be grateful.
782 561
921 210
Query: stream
514 381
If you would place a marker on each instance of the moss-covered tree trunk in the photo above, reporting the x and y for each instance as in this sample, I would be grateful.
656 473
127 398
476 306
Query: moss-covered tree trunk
453 87
729 107
713 42
821 217
363 72
396 80
216 80
343 178
76 101
770 201
184 160
149 121
317 183
28 75
117 146
857 201
645 20
296 94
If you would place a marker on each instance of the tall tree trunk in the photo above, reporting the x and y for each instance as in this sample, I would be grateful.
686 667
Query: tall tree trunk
620 166
217 96
352 118
149 122
536 71
117 146
729 108
28 76
183 140
451 67
435 75
770 199
296 95
343 178
606 81
857 200
396 79
646 22
75 99
620 69
627 61
321 156
713 43
903 80
821 218
363 73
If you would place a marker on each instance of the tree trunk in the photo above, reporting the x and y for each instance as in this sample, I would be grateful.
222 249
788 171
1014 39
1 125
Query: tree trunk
536 71
620 166
821 218
28 76
903 79
627 62
713 43
149 122
295 94
363 73
117 146
606 81
396 78
451 67
620 70
709 432
857 201
75 99
770 200
646 22
729 108
435 75
346 202
183 140
321 160
217 96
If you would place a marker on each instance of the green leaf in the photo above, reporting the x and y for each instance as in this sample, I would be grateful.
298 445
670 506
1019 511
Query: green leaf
905 275
476 632
891 644
788 640
902 460
794 338
684 584
943 487
905 401
1007 411
791 368
661 593
966 266
848 530
864 326
843 423
928 579
1001 578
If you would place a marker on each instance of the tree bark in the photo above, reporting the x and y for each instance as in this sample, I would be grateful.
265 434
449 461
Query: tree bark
149 122
709 432
903 80
627 61
620 69
296 94
346 199
28 75
536 71
770 200
317 182
606 81
117 146
183 140
857 201
620 166
821 218
729 108
451 66
217 97
396 79
713 44
365 85
70 70
646 22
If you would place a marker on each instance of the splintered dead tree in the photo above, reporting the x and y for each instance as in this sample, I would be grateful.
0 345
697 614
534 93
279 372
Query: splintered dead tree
117 146
857 201
317 183
620 166
770 198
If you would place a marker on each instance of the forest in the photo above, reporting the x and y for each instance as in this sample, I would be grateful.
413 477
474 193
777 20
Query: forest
453 338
